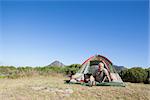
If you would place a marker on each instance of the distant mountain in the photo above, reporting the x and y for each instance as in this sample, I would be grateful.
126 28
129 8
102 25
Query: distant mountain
56 63
119 68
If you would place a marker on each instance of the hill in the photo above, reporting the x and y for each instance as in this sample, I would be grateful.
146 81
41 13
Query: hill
119 68
56 63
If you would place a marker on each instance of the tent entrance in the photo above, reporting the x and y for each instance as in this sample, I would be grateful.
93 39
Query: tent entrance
94 70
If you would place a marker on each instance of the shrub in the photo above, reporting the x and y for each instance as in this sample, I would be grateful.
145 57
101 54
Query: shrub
74 68
135 75
147 81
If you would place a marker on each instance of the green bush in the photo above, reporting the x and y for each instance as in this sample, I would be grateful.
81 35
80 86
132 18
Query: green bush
74 68
135 75
7 69
147 81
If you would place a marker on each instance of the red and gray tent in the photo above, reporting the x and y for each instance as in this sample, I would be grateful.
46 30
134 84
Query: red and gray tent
79 76
99 58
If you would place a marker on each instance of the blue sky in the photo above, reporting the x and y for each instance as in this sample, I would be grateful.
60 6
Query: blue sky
35 33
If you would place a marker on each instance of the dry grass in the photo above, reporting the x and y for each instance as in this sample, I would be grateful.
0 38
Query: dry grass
53 88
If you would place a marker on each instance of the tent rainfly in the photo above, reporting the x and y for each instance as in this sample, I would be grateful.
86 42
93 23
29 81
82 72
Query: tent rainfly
101 69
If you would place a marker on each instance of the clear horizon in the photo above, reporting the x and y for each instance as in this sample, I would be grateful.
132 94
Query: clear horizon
36 33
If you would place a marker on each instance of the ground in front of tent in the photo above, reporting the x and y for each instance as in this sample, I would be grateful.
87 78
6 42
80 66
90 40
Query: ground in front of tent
53 88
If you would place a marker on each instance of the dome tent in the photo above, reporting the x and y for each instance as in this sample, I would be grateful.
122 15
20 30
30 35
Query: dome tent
91 65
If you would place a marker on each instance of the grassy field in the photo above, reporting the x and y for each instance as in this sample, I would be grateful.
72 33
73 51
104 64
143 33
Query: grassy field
53 88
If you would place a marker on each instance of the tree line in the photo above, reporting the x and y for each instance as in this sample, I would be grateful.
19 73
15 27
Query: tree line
135 75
